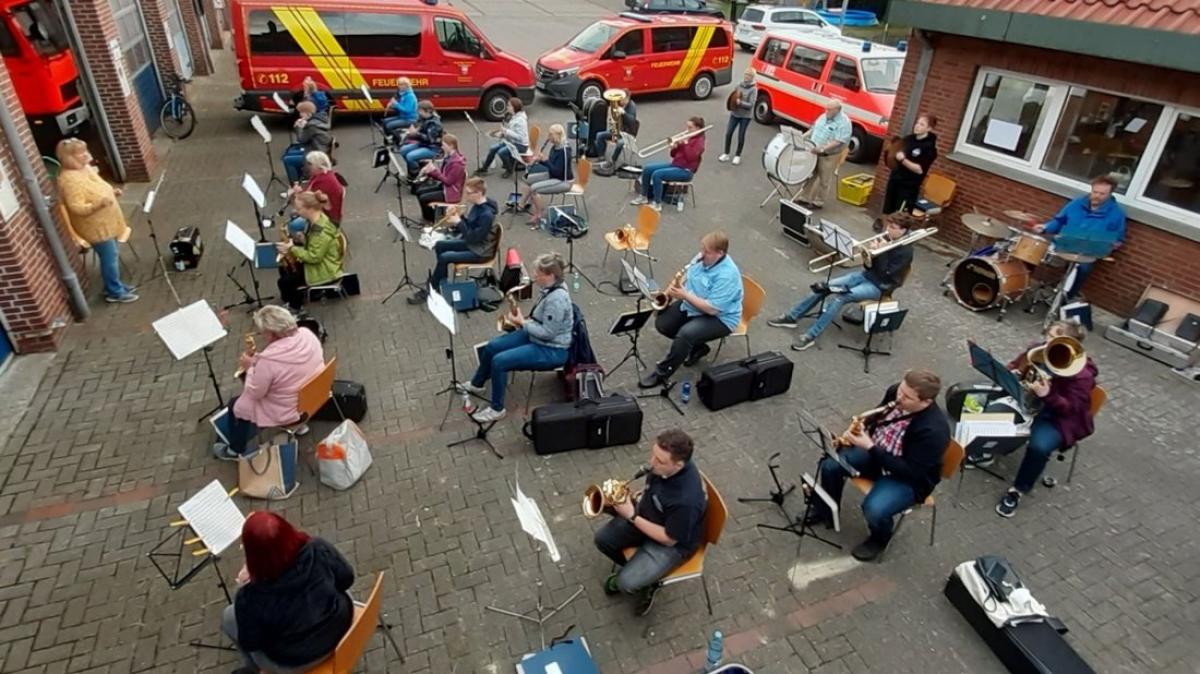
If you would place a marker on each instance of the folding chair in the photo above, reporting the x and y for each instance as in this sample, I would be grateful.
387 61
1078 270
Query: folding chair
753 299
367 619
647 225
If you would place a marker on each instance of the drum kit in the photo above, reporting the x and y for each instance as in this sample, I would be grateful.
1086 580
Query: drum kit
1000 273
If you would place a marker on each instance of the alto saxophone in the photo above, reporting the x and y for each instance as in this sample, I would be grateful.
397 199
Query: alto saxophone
858 423
661 299
504 323
251 347
598 498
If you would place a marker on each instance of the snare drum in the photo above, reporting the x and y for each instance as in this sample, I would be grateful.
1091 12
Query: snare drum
981 283
1029 248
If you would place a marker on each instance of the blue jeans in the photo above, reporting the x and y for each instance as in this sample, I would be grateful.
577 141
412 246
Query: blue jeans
1082 271
293 163
1044 440
859 289
414 153
888 498
501 150
650 563
109 253
600 146
653 175
451 251
396 123
509 352
241 431
739 123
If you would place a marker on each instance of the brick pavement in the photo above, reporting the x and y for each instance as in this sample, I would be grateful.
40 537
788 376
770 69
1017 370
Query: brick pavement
108 448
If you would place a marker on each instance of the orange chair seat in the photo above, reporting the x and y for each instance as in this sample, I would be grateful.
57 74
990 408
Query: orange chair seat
691 567
639 242
326 666
864 485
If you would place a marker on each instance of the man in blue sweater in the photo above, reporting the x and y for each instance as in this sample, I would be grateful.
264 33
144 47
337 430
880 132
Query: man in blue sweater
1096 216
478 236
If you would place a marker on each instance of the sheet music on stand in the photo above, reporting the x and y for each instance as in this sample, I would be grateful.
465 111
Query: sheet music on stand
185 331
640 281
837 238
997 372
215 518
816 487
532 522
398 226
823 439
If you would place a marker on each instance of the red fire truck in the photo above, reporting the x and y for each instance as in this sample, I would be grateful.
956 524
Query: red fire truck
39 61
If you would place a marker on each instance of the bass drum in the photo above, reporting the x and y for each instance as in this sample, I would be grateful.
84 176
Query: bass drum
981 283
787 163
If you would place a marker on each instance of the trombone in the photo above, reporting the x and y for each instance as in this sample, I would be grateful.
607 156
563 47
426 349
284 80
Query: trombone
864 250
655 148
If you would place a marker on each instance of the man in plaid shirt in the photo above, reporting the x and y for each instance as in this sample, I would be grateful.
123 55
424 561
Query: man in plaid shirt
901 450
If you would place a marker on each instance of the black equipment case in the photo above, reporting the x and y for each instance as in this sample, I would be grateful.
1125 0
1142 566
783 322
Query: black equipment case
760 376
1027 648
351 398
607 422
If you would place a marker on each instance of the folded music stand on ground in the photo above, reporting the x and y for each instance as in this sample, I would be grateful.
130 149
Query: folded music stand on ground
884 323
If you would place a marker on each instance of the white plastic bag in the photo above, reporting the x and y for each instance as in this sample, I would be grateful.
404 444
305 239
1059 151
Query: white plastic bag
343 456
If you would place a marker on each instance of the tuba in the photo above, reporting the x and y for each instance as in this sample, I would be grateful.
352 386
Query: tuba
858 423
599 497
504 322
661 299
615 113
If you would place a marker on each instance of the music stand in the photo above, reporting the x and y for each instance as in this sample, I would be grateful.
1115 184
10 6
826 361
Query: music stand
571 267
630 325
647 293
261 128
883 323
532 522
244 244
188 330
385 157
478 133
259 201
444 313
404 239
214 519
370 115
842 243
147 207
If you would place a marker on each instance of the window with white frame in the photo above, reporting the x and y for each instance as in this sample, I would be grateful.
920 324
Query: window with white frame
1068 134
134 44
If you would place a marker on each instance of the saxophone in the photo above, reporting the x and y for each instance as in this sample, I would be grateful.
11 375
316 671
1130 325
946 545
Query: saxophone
599 497
858 423
504 322
661 299
251 347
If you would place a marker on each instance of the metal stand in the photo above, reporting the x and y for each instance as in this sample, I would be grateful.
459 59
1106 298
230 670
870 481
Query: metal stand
801 526
216 386
481 431
632 333
406 280
274 176
541 613
162 264
255 301
573 268
177 577
888 323
778 494
664 392
820 308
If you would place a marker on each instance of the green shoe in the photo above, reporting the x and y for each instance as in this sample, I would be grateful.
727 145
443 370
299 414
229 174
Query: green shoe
610 585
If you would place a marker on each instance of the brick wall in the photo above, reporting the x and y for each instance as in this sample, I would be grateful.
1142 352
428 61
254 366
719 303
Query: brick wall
201 64
155 13
216 30
32 297
97 27
1150 255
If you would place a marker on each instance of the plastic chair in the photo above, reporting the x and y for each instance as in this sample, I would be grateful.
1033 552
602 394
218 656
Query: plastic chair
753 299
647 226
693 567
578 191
939 190
314 393
951 460
367 619
1099 398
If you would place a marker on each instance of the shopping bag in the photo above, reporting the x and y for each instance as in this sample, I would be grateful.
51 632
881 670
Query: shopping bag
270 472
343 456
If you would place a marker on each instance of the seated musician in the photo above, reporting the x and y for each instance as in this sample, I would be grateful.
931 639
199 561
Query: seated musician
425 139
312 134
1064 419
446 179
478 235
539 342
551 173
322 178
901 449
309 91
829 134
883 272
292 606
317 259
273 377
685 161
513 132
707 307
664 524
629 124
401 111
1095 215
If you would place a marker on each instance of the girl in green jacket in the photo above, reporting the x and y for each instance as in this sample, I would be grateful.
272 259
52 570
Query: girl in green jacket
317 260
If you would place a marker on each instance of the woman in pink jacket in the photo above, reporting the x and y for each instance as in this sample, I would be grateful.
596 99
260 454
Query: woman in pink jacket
274 376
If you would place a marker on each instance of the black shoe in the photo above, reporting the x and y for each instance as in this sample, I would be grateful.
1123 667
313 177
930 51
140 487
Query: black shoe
508 173
981 460
482 173
418 297
646 600
820 288
869 550
696 354
1007 507
246 670
651 379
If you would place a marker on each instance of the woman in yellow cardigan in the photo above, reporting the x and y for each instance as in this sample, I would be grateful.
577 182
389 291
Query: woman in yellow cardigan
95 215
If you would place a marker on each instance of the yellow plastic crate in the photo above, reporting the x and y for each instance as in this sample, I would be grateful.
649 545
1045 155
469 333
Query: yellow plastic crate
856 188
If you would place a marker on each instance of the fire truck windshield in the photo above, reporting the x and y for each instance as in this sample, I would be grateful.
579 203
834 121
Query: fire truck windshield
39 24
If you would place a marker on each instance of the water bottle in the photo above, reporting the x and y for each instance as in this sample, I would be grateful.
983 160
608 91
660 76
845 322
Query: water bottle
575 280
685 393
679 205
715 647
467 402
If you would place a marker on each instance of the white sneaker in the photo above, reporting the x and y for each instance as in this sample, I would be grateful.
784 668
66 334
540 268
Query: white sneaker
737 160
488 415
303 430
638 201
657 207
723 157
471 388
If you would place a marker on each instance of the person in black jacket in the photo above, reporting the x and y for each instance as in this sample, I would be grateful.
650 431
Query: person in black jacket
912 165
901 449
477 240
292 608
425 140
883 272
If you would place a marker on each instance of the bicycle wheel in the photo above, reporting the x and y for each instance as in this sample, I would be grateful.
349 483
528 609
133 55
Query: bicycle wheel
177 118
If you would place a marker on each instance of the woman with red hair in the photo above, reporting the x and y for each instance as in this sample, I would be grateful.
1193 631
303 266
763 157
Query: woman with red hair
292 608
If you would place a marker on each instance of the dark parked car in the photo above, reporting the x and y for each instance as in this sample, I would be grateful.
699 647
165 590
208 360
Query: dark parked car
674 7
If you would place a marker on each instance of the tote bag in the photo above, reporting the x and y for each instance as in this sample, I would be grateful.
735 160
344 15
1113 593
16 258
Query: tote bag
270 472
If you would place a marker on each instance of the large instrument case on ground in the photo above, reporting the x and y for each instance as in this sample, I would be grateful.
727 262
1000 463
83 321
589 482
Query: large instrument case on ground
1163 328
759 376
607 422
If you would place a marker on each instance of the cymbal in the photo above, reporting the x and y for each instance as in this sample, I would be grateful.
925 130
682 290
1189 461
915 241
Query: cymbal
984 225
1020 216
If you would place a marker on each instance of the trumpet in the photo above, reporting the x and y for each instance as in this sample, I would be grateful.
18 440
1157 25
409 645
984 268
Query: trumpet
599 497
655 148
864 251
505 323
858 423
451 211
251 347
661 299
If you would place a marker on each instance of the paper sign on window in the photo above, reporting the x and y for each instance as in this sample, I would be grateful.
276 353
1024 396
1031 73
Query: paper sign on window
1002 134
